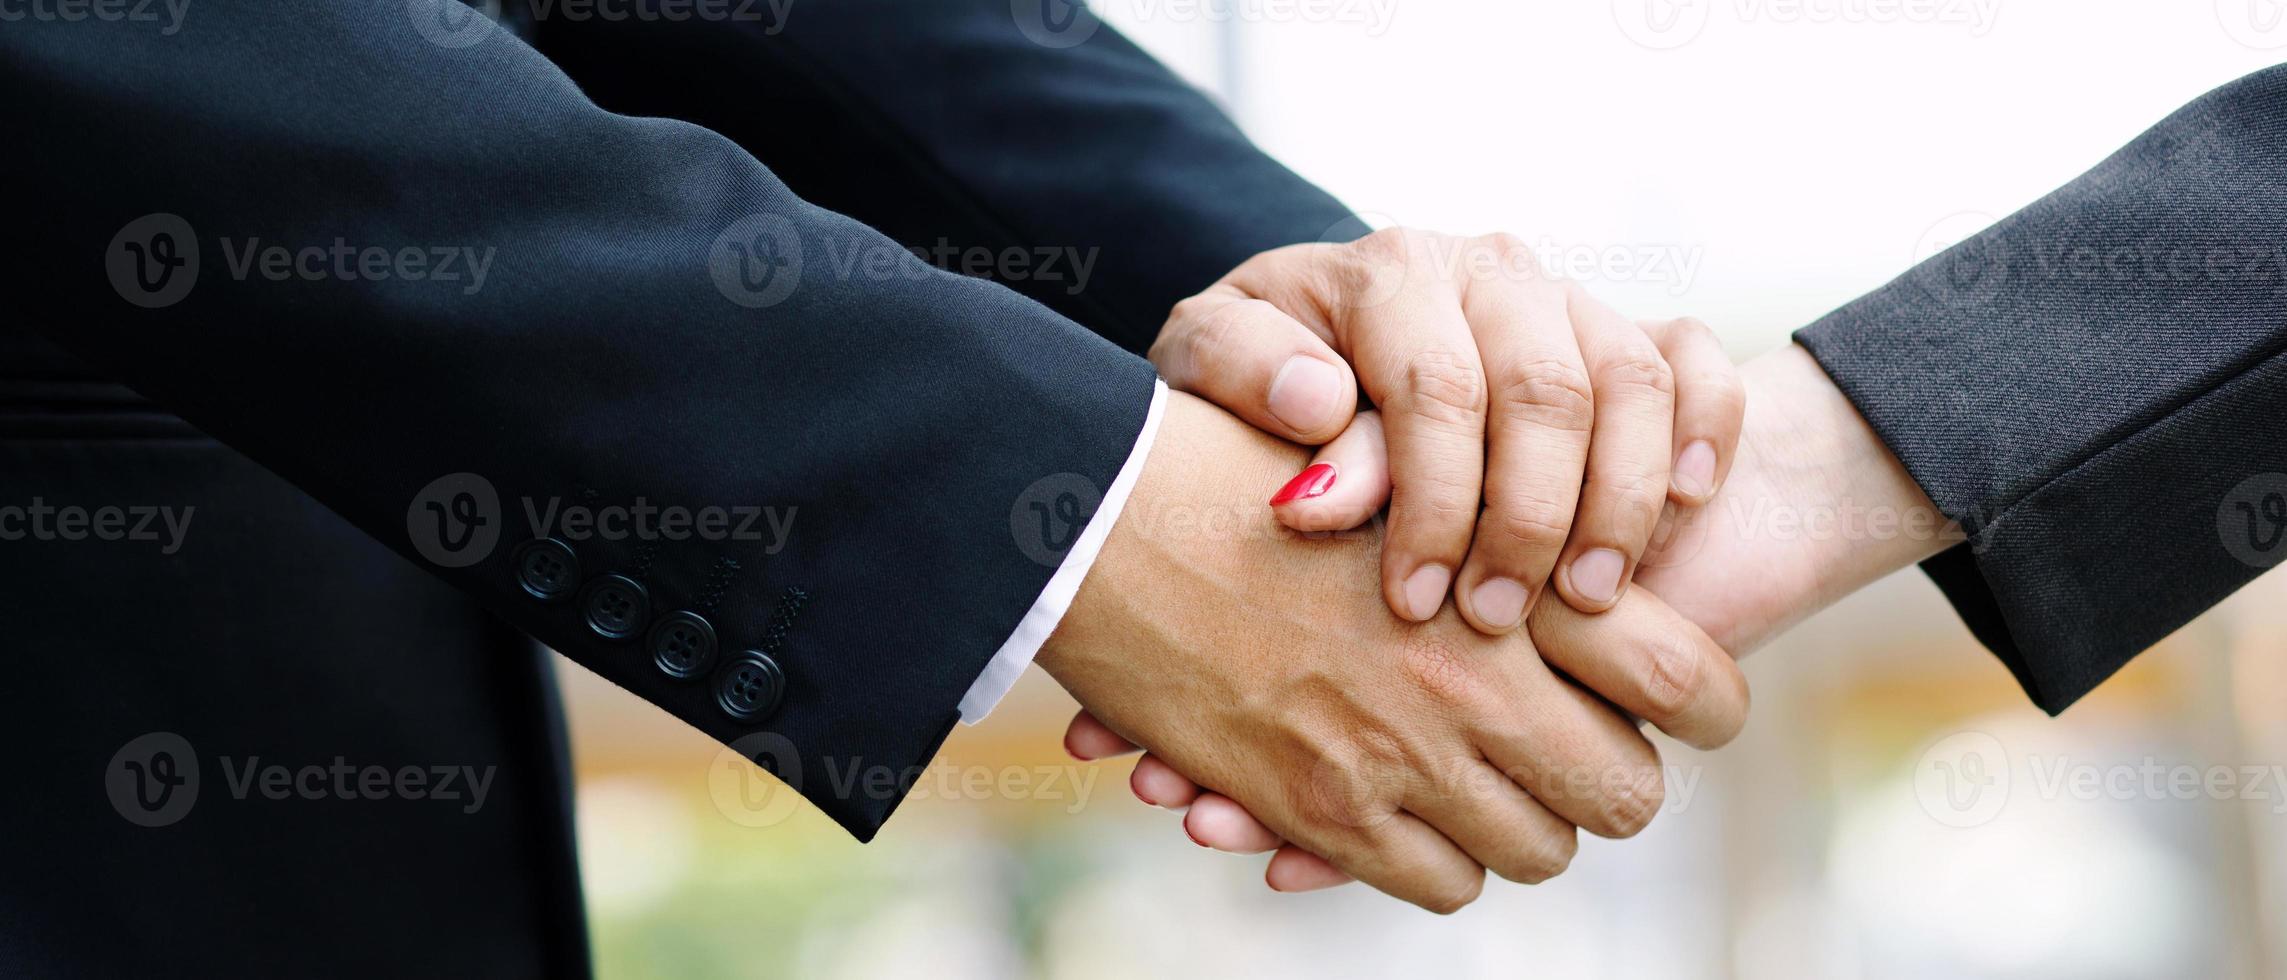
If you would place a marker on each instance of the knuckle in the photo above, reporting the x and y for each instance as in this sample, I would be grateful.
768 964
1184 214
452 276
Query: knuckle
1428 507
1454 892
1506 244
1343 801
1547 392
1352 787
1386 246
1373 269
1640 369
1544 856
1203 329
1511 258
1694 327
1443 385
1674 684
1174 344
1186 316
1190 310
1629 806
1528 526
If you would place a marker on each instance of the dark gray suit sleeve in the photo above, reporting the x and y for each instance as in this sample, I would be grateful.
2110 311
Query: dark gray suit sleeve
659 323
977 129
2095 388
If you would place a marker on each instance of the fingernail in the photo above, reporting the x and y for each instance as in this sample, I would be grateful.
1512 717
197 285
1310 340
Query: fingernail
1304 391
1596 575
1313 481
1499 602
1694 474
1425 591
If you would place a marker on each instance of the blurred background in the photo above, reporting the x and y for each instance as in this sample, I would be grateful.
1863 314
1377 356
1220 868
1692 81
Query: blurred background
1896 808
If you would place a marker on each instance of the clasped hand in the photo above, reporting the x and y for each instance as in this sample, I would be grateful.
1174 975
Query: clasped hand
1526 437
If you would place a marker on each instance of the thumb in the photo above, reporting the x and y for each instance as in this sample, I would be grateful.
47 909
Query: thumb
1258 363
1345 485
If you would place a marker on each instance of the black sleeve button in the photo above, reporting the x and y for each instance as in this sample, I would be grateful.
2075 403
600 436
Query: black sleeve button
546 569
682 643
615 606
749 687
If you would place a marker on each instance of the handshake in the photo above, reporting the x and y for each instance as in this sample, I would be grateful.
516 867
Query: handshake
1596 496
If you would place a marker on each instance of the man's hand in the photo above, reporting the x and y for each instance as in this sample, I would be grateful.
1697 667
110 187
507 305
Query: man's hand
1413 756
1531 430
1807 462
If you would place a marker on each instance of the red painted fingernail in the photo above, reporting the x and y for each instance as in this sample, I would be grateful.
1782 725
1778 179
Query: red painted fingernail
1313 481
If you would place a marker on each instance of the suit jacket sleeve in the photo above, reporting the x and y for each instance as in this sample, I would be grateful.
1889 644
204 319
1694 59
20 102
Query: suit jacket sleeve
975 130
2094 388
274 223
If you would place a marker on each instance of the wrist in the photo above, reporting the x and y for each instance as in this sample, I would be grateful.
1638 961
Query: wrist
1815 508
1841 474
1195 526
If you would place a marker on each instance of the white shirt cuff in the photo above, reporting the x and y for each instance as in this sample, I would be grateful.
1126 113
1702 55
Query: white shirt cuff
1008 664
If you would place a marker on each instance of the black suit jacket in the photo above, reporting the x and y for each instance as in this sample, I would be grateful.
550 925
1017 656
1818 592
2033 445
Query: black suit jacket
2096 388
697 295
663 318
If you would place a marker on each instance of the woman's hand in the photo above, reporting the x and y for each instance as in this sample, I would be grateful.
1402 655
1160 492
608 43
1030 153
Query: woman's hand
1531 431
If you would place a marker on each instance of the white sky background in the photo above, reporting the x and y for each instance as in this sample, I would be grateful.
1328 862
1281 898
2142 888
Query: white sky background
1798 154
